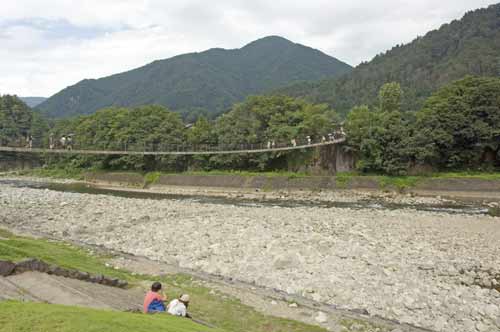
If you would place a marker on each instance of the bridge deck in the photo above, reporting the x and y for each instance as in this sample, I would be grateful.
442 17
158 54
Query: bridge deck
166 153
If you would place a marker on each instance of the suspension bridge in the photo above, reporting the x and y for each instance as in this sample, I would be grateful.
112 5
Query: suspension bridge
178 151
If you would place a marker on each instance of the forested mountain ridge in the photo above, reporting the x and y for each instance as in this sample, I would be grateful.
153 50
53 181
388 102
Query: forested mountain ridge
208 82
470 46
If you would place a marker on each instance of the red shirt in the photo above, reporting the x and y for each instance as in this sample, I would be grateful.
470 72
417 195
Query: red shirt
150 297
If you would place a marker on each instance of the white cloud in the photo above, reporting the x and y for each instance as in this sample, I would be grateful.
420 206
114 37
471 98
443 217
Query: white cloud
97 38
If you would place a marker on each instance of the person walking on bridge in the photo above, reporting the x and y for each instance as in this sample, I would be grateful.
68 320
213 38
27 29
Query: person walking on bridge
63 141
29 141
51 141
69 142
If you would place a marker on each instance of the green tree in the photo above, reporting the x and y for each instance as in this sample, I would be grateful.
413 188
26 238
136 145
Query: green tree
390 97
264 119
201 137
17 121
459 127
150 128
380 137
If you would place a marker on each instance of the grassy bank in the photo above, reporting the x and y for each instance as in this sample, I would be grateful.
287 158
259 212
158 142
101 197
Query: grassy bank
227 313
41 317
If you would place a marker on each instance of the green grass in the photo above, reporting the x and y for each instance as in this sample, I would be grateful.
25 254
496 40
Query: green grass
494 211
404 182
398 182
40 317
468 175
223 312
151 178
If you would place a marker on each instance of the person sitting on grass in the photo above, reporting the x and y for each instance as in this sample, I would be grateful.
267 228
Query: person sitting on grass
178 307
154 302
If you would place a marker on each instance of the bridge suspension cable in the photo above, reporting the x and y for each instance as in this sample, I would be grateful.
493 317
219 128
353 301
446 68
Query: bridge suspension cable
179 150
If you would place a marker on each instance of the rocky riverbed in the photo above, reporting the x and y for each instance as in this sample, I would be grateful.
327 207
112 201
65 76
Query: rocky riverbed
431 269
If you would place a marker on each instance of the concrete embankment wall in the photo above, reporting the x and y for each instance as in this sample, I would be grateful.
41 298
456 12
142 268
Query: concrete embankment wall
18 161
294 183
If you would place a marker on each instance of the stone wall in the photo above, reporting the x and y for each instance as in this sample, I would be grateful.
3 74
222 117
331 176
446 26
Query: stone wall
312 183
8 268
18 161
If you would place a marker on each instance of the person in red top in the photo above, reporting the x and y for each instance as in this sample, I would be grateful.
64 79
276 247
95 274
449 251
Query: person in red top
154 301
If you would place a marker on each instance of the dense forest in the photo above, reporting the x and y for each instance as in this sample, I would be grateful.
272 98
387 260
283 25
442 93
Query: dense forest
470 46
17 122
457 129
196 84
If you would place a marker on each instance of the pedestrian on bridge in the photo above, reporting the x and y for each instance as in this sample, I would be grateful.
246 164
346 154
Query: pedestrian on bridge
63 141
309 140
69 142
29 141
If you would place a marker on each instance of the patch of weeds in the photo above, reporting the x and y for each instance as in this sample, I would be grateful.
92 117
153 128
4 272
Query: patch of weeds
494 211
399 183
469 175
342 180
151 178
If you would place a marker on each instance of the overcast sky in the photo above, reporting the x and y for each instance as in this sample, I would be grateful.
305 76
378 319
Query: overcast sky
47 45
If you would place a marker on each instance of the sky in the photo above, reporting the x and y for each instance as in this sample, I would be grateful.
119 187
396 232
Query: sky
47 45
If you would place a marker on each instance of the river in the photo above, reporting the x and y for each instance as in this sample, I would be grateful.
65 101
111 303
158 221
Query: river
431 263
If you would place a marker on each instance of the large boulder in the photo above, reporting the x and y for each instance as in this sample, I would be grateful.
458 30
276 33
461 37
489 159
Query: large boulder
6 268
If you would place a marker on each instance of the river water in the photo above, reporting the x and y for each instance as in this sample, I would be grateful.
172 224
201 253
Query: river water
468 208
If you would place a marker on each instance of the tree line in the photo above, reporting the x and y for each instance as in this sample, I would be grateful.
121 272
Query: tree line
458 128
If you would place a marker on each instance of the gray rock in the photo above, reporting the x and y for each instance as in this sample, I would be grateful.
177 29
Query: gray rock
122 284
480 327
6 268
321 317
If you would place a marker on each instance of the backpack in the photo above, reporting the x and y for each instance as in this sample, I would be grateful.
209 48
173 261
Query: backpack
156 306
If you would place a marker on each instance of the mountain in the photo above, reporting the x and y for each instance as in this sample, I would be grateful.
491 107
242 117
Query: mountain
33 101
470 46
212 80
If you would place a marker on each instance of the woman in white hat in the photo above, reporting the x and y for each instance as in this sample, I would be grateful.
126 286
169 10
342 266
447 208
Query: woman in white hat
178 307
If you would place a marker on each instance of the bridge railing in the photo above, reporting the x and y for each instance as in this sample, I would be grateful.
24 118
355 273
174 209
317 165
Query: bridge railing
164 147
